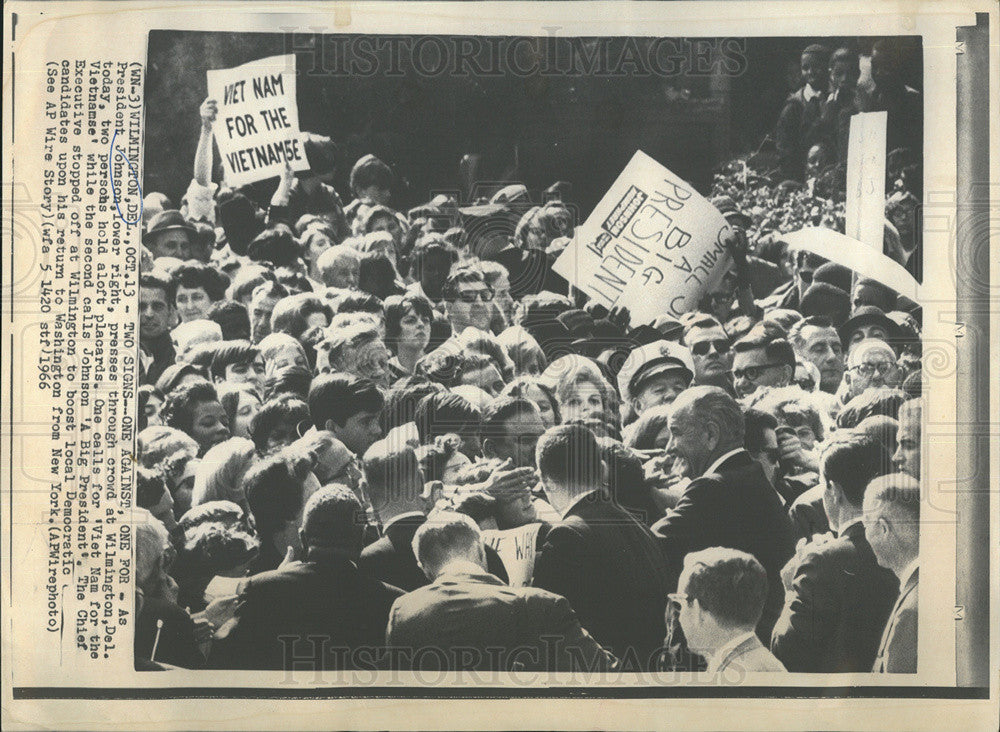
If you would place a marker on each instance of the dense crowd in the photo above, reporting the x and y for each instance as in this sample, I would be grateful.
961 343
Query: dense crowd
342 407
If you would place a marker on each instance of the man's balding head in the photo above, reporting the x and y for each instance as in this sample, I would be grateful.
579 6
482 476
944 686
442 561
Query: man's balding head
892 520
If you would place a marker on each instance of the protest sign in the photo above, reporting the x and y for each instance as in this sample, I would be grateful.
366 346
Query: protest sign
652 244
864 214
854 255
516 548
257 128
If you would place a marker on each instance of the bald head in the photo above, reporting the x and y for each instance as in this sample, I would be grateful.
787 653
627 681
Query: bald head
892 520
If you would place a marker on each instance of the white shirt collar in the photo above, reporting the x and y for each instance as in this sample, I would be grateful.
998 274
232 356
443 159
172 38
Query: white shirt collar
720 655
808 93
907 572
721 459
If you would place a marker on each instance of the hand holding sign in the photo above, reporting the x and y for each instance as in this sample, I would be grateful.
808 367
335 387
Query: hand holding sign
257 124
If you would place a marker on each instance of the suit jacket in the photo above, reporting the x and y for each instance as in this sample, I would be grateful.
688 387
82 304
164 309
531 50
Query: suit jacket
750 655
795 132
837 609
390 558
479 623
807 514
611 569
897 653
329 598
738 508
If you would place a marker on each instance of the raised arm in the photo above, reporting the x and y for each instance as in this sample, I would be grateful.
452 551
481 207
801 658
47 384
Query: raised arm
203 155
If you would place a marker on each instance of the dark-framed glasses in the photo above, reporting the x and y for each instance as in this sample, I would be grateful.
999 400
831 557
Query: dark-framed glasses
753 372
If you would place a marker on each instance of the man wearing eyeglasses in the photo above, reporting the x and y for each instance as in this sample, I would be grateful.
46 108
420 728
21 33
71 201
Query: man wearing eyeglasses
720 599
711 350
871 364
468 300
759 360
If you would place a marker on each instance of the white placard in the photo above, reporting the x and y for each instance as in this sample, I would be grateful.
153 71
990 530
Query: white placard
516 548
854 255
864 217
257 128
652 244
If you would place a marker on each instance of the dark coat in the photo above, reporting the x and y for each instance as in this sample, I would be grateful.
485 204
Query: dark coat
476 622
838 607
735 507
611 569
390 558
330 598
897 652
796 131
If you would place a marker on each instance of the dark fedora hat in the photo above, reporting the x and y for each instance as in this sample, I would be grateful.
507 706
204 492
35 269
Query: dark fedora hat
169 220
869 315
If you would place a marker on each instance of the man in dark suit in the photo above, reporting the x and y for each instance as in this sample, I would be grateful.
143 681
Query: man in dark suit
395 485
838 598
892 527
468 619
321 613
729 501
599 557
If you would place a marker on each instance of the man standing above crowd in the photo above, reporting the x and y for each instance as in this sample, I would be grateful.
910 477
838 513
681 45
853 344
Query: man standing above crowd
730 501
599 557
795 132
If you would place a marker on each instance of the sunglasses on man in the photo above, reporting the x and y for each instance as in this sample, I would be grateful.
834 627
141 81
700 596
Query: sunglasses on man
701 348
470 296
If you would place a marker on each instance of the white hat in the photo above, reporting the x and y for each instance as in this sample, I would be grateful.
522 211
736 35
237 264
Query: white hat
653 358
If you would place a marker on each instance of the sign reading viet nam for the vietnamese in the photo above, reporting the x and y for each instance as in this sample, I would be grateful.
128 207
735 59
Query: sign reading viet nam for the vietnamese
257 128
652 244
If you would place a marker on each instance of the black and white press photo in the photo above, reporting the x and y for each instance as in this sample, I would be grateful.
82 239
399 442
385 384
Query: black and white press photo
538 353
